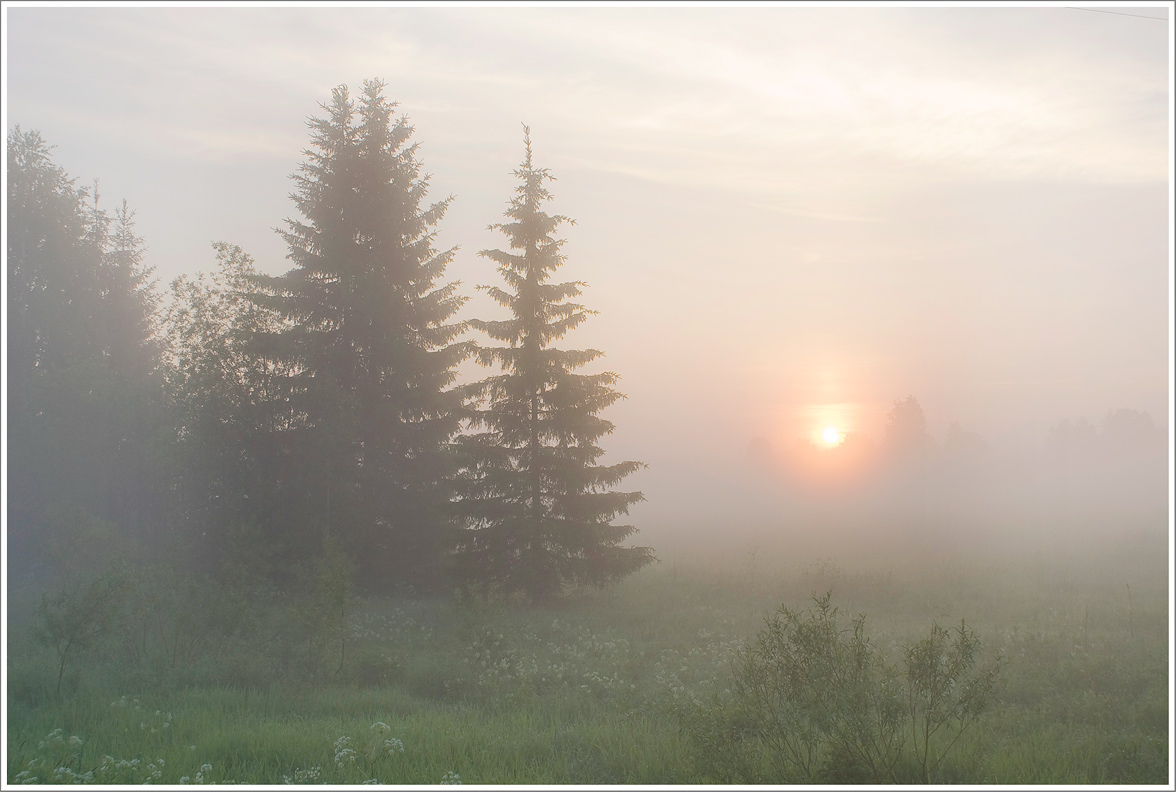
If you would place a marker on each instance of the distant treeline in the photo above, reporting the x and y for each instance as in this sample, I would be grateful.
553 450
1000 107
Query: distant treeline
259 422
1075 482
1126 435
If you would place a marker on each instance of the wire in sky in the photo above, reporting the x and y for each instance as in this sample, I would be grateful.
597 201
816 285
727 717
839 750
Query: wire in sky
1120 13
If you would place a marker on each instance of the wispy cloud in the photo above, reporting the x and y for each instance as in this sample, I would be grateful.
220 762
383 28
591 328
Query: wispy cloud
757 98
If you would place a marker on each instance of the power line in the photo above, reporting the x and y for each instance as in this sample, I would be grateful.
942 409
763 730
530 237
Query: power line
1120 13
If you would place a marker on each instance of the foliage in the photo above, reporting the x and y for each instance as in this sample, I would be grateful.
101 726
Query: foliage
370 349
54 266
228 399
819 697
906 429
945 690
176 621
80 618
539 508
321 404
592 690
134 302
822 704
1125 433
333 600
84 407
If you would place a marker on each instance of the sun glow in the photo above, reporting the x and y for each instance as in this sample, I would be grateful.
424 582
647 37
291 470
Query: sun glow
831 436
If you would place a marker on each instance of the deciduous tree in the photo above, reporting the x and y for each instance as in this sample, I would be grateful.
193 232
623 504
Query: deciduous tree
230 403
906 429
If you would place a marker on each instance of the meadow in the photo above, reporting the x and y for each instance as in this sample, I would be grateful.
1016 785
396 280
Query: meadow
202 685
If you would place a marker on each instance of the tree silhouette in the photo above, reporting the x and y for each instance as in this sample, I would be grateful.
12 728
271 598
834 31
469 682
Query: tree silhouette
960 442
230 405
1127 431
1076 439
84 407
539 508
906 429
372 336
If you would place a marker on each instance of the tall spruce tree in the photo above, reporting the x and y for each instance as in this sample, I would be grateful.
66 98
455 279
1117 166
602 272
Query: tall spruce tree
373 341
84 410
138 475
539 508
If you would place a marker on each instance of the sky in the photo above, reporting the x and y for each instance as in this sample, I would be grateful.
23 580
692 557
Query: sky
788 217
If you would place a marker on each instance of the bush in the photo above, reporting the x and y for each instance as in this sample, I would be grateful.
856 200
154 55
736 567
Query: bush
821 699
815 702
176 622
81 618
942 690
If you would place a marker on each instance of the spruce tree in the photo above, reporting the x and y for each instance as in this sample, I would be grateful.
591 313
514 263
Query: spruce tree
373 342
538 507
84 417
56 377
134 315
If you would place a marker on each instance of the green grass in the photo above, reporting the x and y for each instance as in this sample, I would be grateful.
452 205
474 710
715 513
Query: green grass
591 691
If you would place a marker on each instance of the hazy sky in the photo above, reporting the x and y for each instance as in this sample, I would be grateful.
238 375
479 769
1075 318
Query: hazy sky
787 216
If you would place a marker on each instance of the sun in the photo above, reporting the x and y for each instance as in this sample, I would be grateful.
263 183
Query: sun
831 436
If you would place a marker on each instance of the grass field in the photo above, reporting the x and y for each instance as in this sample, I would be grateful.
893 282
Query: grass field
598 689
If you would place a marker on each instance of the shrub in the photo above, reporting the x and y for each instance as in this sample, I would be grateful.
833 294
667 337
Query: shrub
174 621
820 697
81 618
943 691
815 702
334 600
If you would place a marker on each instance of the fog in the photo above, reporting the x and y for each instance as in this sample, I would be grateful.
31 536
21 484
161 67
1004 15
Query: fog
852 310
778 232
1082 492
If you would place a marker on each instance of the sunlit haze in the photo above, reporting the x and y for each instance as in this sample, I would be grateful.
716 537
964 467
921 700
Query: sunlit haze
788 218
